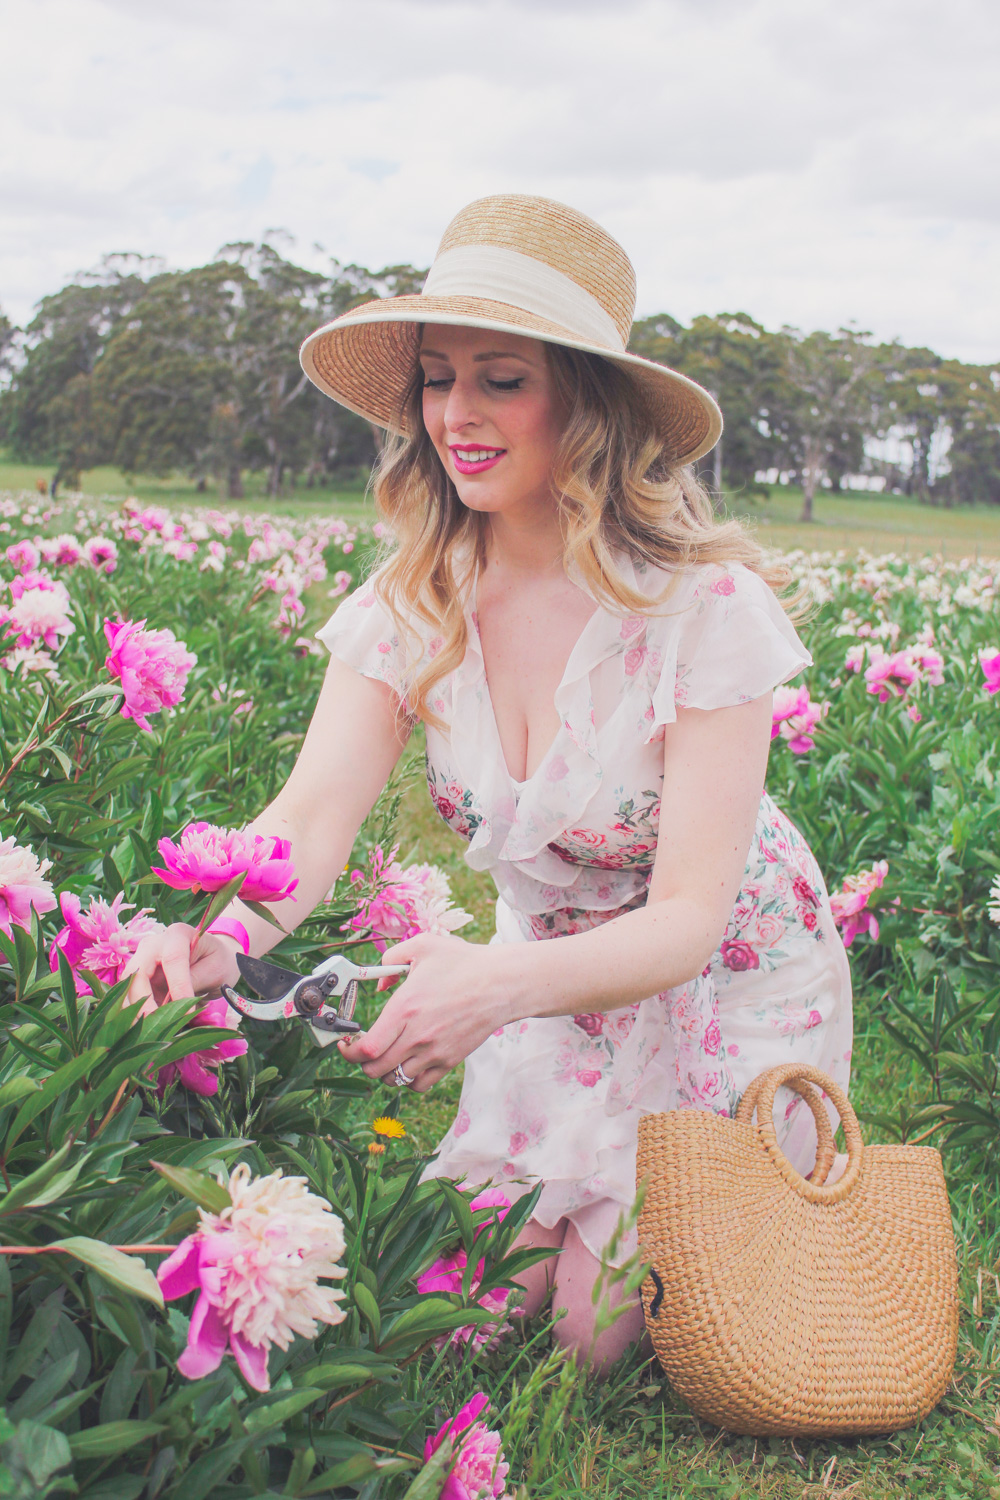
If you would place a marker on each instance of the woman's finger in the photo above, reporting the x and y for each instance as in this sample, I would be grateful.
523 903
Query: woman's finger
175 961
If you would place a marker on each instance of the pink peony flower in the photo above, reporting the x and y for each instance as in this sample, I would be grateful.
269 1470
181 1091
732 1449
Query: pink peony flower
39 612
989 660
794 716
445 1275
849 905
152 665
206 858
101 552
22 885
60 551
256 1267
479 1471
97 940
24 556
194 1069
396 904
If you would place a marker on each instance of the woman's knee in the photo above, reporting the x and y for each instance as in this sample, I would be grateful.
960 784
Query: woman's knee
538 1280
576 1275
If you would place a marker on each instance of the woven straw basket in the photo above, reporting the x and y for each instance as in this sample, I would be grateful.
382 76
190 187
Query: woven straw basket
780 1306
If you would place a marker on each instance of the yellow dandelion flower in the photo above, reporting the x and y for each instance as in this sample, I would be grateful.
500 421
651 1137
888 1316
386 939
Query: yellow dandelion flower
387 1126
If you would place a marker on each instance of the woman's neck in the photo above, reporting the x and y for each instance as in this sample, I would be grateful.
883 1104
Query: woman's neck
529 544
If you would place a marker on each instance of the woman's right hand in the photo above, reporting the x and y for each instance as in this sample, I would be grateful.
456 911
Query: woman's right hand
166 966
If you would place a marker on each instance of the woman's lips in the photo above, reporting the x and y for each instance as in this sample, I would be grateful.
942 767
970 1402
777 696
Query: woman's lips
465 464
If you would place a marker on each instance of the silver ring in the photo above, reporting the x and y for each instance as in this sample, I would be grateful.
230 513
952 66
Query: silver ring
401 1078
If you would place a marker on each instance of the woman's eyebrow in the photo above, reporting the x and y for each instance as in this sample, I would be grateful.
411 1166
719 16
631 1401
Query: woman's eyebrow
479 358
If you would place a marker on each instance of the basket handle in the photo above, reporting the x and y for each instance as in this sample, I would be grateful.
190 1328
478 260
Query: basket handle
760 1096
826 1150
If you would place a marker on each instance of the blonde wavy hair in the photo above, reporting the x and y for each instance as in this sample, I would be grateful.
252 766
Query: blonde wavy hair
618 490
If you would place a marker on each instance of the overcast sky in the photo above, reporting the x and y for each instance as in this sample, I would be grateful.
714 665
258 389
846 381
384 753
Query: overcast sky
807 161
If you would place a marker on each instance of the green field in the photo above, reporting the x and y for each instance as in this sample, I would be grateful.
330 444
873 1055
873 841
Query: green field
879 523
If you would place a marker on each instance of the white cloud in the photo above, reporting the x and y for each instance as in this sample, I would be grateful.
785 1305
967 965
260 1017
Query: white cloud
810 164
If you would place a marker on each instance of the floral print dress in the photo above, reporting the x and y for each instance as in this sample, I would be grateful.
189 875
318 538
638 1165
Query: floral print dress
557 1099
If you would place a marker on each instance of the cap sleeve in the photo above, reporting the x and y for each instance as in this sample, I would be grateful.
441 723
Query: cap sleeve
362 633
726 640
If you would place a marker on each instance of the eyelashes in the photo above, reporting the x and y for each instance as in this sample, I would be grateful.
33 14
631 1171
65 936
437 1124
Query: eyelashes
497 385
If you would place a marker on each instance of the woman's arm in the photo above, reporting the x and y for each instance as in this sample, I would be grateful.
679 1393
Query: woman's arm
351 746
457 993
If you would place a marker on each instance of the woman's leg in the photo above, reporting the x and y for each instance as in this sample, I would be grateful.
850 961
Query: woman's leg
539 1279
576 1272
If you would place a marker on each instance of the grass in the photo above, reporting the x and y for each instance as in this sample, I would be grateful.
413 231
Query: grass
878 523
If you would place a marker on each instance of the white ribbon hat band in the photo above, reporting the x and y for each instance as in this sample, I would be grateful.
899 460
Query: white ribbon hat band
499 275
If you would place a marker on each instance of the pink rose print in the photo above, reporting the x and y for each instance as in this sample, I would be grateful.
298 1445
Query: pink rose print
384 647
556 769
445 808
804 893
769 929
810 920
724 585
588 1077
634 659
462 1122
517 1143
592 1023
588 836
712 1040
739 956
632 625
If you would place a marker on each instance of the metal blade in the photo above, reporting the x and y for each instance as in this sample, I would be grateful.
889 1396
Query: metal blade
268 980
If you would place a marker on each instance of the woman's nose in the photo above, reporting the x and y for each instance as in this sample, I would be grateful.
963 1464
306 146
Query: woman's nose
462 408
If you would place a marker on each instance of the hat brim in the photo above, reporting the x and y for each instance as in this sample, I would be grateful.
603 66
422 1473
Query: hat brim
365 360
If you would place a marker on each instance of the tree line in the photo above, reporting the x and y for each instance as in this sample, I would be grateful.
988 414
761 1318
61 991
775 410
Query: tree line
157 371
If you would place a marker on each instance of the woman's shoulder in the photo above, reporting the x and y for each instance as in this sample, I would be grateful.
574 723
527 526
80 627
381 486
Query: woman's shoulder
720 587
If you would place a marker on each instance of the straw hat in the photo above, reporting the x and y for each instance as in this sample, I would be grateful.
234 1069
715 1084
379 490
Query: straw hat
515 264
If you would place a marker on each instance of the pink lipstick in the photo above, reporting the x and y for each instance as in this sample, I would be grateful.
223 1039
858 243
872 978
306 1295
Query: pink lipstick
471 458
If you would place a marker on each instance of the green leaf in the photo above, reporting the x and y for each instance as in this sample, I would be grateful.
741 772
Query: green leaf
25 1194
16 1088
111 1438
260 910
41 1451
430 1481
198 1186
430 1317
127 1272
57 1084
358 1466
44 1389
328 1377
368 1308
210 1469
261 1417
221 900
459 1205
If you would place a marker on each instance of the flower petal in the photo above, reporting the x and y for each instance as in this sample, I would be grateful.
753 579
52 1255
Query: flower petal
206 1341
252 1360
178 1274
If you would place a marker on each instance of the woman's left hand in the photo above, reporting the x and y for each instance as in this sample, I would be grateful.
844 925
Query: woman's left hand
454 996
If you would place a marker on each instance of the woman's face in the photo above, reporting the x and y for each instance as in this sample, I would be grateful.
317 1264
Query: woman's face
492 413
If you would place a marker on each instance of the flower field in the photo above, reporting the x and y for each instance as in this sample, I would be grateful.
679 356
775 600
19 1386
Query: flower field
228 1280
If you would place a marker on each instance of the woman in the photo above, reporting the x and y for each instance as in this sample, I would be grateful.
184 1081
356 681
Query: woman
593 658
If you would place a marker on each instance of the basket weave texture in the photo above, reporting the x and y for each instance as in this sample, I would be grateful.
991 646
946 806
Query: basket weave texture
785 1307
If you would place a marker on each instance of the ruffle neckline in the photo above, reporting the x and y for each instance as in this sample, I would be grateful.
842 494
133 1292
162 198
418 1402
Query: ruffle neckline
523 818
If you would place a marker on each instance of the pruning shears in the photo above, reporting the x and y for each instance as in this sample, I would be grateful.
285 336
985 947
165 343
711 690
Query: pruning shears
288 995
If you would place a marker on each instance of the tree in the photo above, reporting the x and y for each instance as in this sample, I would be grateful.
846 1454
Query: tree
832 408
192 370
736 359
41 417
